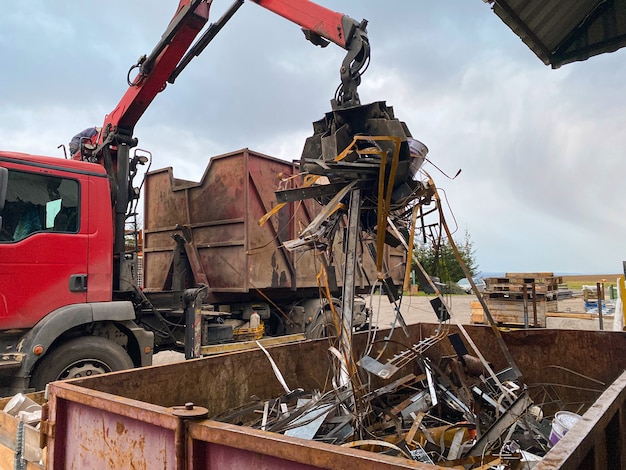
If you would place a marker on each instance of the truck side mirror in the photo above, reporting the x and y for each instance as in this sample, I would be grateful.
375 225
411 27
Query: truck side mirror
4 179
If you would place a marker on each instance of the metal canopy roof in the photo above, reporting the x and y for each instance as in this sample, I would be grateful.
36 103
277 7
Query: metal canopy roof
563 31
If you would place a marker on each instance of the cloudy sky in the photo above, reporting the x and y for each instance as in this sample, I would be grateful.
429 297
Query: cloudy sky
541 150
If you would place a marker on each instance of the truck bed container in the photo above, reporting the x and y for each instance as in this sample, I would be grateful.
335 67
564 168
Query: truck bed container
127 419
228 249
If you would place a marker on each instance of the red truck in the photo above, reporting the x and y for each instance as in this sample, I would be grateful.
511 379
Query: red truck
70 304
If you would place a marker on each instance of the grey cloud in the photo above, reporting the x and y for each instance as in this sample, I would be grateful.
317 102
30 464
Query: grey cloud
539 148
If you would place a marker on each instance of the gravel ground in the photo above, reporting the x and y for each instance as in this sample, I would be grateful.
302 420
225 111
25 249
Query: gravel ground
417 309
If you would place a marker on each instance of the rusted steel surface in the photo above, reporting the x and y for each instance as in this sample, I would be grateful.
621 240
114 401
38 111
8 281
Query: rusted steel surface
215 445
544 357
564 369
218 382
226 246
221 211
96 430
550 361
598 441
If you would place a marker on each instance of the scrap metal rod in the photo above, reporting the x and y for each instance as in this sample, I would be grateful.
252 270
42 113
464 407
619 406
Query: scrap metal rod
349 267
468 275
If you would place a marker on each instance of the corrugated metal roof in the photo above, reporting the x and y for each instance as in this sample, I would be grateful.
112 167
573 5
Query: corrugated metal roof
564 31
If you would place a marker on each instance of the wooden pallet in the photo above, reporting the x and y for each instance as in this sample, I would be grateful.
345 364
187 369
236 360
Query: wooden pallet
518 296
536 277
478 316
509 312
510 287
544 281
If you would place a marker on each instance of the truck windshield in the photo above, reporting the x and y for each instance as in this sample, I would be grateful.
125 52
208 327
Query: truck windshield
36 202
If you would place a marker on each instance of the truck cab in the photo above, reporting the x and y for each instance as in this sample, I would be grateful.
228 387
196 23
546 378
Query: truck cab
56 239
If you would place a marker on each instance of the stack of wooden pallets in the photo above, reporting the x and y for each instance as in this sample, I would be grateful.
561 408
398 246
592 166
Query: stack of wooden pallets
520 299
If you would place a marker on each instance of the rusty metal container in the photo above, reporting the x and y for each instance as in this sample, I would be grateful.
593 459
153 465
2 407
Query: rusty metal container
125 418
227 248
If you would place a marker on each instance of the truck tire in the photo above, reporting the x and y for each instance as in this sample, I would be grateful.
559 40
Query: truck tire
322 327
80 357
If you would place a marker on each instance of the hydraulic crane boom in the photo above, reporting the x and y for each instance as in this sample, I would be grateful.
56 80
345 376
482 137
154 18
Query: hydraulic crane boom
153 72
110 146
320 24
166 61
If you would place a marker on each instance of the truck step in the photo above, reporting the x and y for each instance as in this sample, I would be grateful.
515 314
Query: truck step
10 361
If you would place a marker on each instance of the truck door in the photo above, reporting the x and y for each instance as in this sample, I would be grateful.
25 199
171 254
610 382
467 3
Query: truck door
43 247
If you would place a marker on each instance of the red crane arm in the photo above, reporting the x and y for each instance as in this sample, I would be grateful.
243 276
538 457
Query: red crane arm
154 70
175 50
319 22
335 27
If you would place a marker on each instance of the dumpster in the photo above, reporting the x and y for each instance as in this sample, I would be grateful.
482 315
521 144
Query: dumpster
232 253
156 417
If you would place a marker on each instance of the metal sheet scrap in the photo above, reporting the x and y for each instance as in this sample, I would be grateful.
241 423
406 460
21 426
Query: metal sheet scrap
448 413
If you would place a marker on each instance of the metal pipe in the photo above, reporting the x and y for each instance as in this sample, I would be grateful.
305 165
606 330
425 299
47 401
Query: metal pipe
534 292
600 298
457 254
204 40
525 299
347 301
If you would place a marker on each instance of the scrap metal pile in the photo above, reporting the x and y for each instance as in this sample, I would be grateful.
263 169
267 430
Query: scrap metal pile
456 411
365 149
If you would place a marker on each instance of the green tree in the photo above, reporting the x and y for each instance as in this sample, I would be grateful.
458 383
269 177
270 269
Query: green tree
439 260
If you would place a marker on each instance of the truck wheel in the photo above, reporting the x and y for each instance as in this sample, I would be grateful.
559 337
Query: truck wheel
80 357
322 327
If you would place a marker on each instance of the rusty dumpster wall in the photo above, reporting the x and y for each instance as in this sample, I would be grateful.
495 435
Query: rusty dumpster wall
96 430
221 213
599 440
550 360
558 365
214 445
